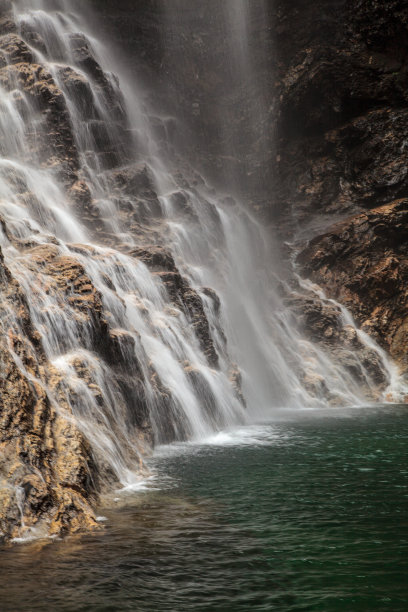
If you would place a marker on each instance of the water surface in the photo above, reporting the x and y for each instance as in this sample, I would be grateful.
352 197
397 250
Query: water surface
307 513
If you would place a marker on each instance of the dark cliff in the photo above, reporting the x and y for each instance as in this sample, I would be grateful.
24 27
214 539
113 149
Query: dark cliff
343 101
342 154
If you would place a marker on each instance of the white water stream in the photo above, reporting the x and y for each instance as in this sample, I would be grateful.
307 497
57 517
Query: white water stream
217 245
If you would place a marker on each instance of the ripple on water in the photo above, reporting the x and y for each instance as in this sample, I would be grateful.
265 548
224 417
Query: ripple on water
306 514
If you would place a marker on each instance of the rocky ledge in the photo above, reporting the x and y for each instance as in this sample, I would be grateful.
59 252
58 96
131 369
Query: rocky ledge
47 475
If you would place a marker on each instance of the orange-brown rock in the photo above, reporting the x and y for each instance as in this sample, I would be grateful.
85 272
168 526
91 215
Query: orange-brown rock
15 49
53 144
363 263
45 463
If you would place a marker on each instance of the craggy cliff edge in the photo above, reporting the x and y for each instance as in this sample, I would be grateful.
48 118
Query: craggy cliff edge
342 162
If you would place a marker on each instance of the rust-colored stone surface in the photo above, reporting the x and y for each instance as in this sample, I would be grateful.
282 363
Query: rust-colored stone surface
46 469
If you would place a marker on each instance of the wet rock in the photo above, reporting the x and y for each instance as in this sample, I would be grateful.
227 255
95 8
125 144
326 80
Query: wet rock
5 7
321 322
362 263
51 469
33 38
123 350
315 385
84 57
7 23
342 83
80 194
45 465
208 400
53 144
135 181
235 377
161 262
155 258
15 49
341 164
216 302
108 84
182 204
79 90
191 304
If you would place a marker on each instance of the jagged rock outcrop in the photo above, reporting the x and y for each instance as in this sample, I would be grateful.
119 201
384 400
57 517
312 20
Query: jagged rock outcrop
73 382
322 322
342 106
47 475
363 263
182 295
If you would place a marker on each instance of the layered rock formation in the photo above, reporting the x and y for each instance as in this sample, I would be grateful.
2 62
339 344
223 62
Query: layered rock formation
80 400
362 262
323 323
47 473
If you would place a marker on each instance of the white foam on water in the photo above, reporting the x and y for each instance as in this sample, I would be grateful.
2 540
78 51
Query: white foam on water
252 435
140 484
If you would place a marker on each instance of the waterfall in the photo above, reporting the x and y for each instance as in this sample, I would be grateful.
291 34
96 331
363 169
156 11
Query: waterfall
157 310
69 260
213 54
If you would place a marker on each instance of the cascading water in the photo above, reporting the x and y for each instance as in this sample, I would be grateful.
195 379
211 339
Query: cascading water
139 342
275 357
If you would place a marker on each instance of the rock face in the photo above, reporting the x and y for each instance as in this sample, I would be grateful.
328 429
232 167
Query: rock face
322 323
342 159
74 383
191 55
47 475
362 262
342 106
335 187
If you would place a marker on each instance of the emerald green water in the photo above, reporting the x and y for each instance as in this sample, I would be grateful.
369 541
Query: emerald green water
308 513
